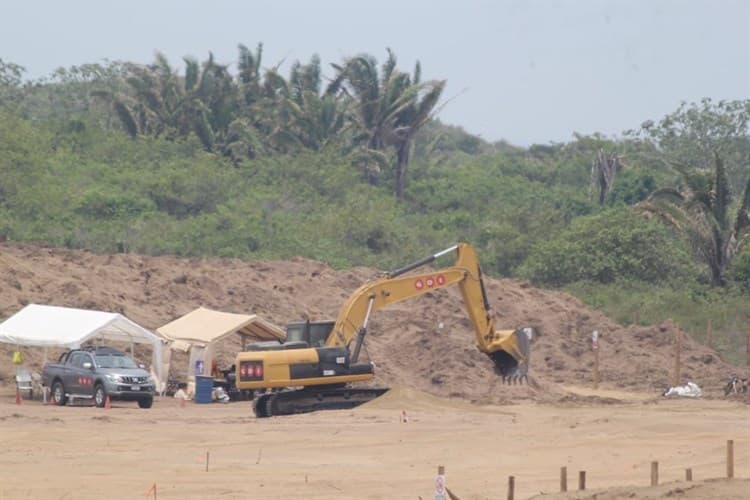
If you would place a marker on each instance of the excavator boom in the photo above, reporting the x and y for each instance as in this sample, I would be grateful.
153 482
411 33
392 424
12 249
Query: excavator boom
509 349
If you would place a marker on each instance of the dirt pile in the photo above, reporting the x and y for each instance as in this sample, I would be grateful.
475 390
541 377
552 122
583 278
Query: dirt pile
426 343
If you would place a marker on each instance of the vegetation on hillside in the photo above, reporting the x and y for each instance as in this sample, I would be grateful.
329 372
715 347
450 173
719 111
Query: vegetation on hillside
121 157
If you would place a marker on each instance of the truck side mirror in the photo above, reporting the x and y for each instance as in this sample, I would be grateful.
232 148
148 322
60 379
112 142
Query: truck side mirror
142 366
87 365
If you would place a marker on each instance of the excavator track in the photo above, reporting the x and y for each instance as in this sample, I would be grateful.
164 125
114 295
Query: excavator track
290 402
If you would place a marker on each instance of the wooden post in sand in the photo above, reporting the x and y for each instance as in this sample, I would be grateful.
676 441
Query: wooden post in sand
596 368
654 473
688 475
730 459
511 487
582 480
595 347
677 341
709 332
563 479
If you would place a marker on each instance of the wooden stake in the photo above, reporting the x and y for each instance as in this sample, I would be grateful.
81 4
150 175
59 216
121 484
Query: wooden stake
511 487
563 479
677 356
206 460
730 459
688 475
709 331
654 473
440 483
151 490
582 480
596 368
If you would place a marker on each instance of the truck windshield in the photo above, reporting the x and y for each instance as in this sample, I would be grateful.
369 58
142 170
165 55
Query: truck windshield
114 361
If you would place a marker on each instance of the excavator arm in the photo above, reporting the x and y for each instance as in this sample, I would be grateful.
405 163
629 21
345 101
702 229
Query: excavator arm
509 349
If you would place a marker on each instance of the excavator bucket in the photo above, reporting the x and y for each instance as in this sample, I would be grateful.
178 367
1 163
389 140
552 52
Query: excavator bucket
512 361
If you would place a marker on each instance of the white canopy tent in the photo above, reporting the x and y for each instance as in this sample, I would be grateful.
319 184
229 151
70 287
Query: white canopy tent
53 326
198 331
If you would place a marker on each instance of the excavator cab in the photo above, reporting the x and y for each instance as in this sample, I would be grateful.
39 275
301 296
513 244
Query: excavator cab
299 335
314 333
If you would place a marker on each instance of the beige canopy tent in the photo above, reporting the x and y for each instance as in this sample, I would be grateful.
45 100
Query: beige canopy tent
200 330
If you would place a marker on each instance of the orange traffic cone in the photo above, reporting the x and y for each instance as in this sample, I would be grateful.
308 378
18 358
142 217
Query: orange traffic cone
107 404
18 396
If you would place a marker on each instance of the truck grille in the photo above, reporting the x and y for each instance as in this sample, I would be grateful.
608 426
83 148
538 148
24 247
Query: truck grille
134 380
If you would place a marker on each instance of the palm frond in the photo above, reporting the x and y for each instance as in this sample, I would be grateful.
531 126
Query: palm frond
192 70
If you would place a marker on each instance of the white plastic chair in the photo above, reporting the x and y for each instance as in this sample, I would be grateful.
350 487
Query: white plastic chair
24 381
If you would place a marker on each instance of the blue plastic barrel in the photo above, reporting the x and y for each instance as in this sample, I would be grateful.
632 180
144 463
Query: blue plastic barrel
203 388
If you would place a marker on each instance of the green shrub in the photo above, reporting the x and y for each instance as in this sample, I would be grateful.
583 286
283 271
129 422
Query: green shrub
607 246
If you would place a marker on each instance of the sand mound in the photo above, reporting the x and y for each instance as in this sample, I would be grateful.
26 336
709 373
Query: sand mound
424 344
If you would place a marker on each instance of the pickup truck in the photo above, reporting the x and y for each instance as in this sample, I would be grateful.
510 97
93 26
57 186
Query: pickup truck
95 373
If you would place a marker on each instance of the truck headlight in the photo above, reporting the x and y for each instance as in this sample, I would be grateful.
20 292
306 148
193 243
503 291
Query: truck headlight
113 378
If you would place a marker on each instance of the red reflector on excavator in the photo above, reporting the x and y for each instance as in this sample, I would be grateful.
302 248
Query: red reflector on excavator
251 370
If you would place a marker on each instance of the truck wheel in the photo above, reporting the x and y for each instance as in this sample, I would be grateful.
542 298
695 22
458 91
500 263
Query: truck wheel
146 402
100 396
58 392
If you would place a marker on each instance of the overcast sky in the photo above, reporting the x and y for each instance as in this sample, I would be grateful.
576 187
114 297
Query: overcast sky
525 71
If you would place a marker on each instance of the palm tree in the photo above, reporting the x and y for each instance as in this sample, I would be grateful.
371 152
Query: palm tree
158 101
249 76
700 209
292 113
313 121
390 107
209 101
410 120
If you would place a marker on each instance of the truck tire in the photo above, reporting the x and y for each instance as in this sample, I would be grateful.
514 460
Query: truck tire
58 392
100 396
146 402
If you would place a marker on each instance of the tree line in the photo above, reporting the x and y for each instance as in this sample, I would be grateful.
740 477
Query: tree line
369 111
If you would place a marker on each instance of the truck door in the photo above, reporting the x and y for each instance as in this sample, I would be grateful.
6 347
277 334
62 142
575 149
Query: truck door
79 380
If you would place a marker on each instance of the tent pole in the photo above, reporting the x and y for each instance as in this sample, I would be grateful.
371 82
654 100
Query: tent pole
44 392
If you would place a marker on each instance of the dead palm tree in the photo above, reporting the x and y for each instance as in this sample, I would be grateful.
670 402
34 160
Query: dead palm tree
604 169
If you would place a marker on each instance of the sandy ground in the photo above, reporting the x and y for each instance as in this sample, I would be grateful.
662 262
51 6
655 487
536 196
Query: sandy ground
58 453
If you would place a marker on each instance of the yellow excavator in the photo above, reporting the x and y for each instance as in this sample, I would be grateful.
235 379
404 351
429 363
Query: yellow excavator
315 367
